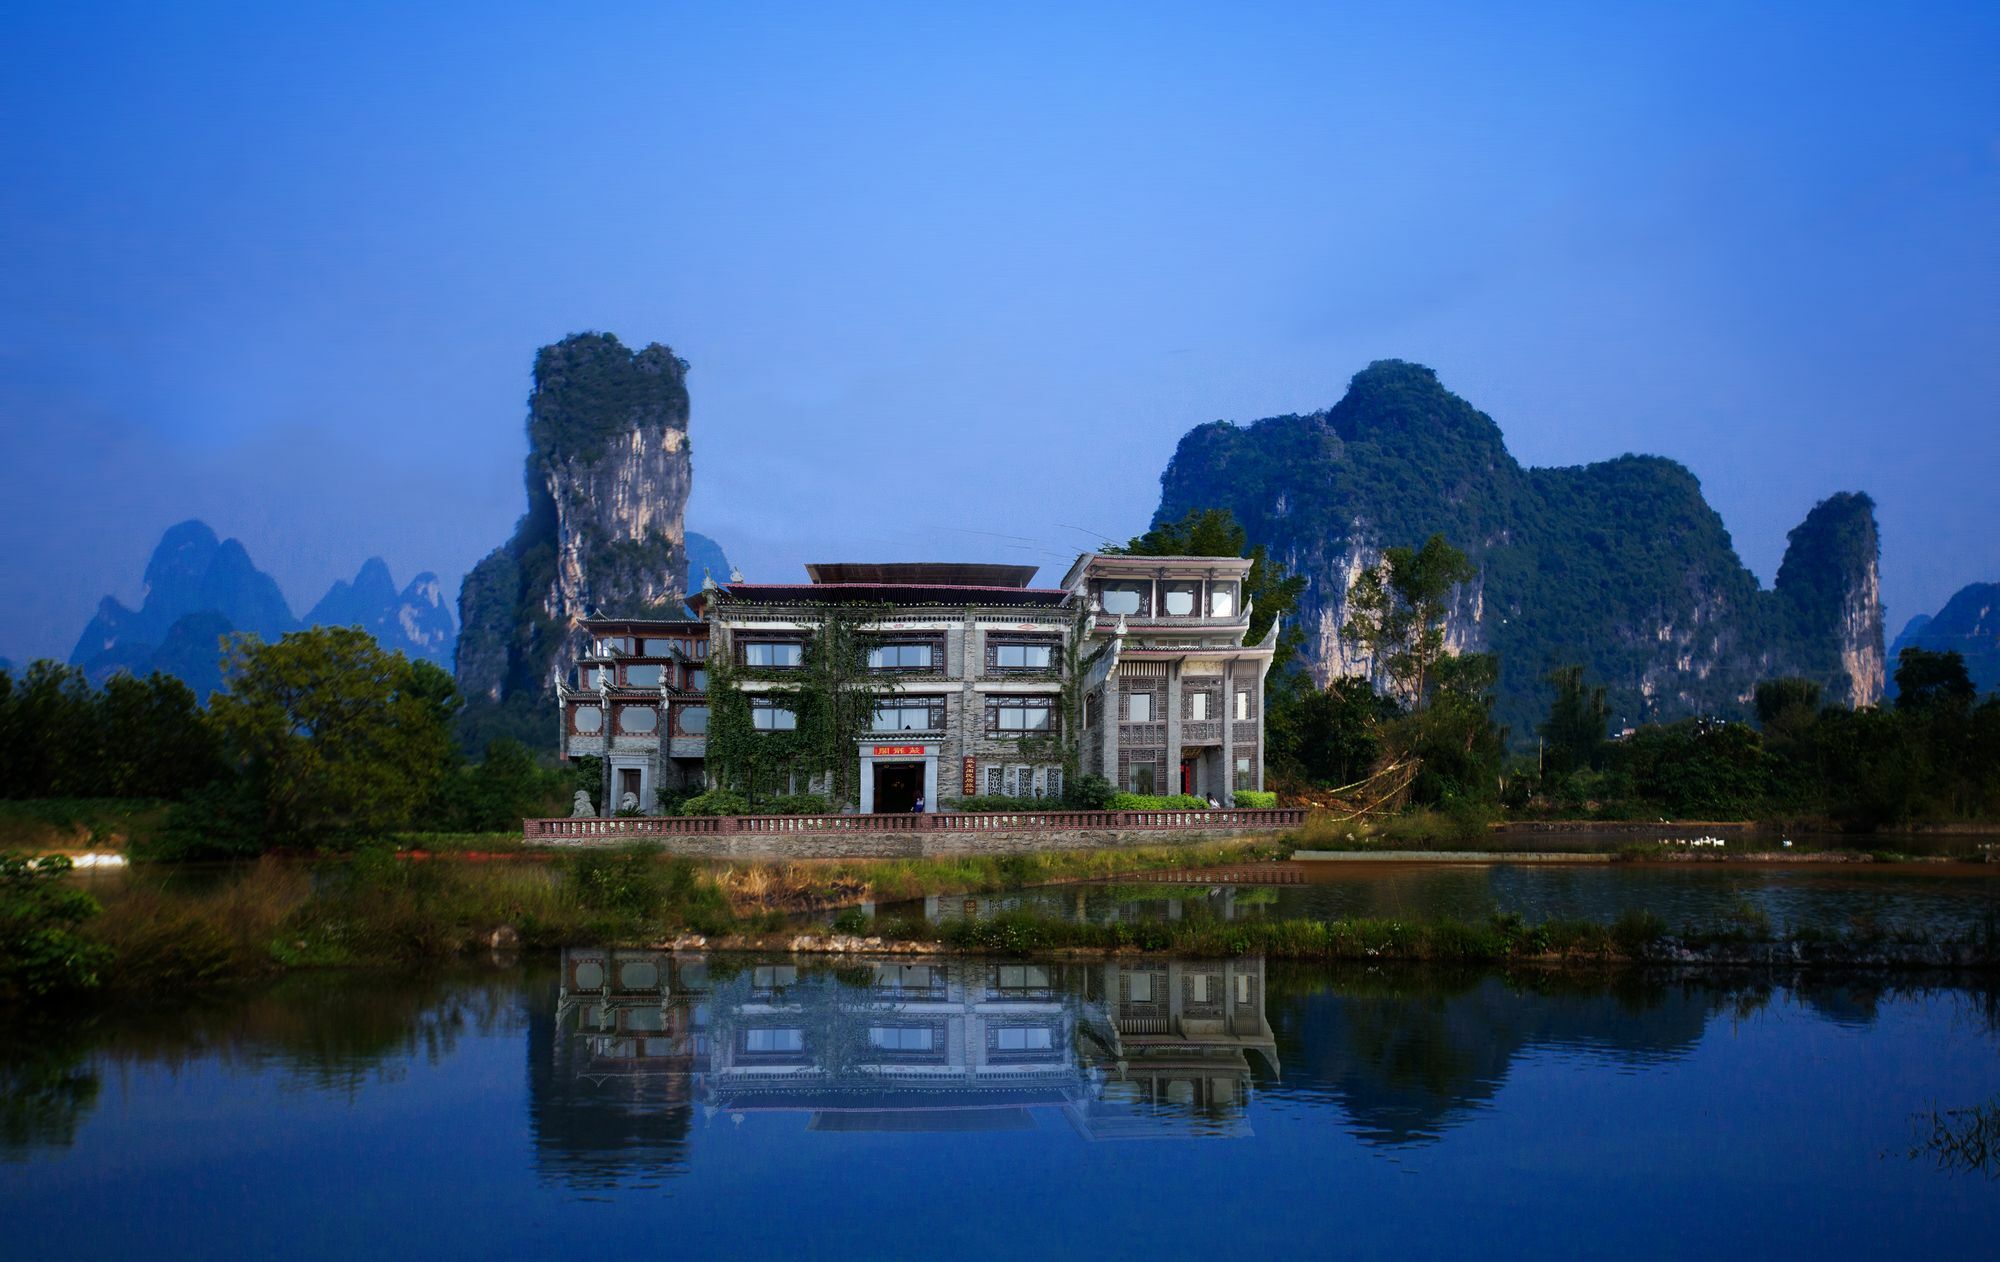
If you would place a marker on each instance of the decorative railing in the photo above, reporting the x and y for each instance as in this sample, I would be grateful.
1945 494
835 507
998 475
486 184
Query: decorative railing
1201 732
638 826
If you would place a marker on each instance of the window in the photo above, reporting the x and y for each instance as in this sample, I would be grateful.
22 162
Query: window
773 653
1139 987
692 720
589 720
1242 703
902 1038
658 648
1019 714
771 976
769 716
1023 1038
1024 977
1222 600
910 714
906 976
1054 780
774 1040
993 781
1197 705
1142 780
1123 598
1178 599
1243 776
636 720
643 676
1023 656
1201 988
697 680
1243 988
900 657
1139 708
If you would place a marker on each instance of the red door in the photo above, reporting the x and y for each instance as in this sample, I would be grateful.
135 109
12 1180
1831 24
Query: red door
1187 776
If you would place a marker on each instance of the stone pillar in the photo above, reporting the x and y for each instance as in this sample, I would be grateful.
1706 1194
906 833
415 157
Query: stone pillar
1228 794
1263 669
1173 784
1109 716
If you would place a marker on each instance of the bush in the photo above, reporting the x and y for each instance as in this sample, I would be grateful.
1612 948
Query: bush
793 804
1090 793
716 802
627 881
222 821
1001 802
1256 799
1156 802
41 950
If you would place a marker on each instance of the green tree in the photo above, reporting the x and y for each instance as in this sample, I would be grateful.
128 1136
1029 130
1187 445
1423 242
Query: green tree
1573 735
1396 613
164 745
1698 768
1926 680
1455 737
336 738
1327 736
501 789
41 948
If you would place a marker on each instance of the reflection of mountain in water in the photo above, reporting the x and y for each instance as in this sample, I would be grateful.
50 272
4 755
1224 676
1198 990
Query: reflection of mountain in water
1408 1056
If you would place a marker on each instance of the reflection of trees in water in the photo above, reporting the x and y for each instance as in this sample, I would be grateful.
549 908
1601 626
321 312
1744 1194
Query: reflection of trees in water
325 1032
1411 1052
46 1089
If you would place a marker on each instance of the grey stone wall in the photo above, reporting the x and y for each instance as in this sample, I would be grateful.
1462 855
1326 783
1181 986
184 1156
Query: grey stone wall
913 845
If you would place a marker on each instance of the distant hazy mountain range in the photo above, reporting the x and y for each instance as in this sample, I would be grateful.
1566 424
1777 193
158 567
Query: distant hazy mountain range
1969 625
200 588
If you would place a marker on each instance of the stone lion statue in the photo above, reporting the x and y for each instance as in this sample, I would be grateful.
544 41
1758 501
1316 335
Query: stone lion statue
581 808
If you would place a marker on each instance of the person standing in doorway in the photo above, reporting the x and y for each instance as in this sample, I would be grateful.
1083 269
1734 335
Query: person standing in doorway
917 808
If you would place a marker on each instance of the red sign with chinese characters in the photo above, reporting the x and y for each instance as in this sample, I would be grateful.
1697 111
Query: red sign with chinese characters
893 751
971 777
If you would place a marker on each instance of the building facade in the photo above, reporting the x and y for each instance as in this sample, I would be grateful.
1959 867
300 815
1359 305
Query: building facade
1173 700
974 669
639 701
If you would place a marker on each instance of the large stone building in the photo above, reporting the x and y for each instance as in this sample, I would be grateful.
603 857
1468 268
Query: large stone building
973 665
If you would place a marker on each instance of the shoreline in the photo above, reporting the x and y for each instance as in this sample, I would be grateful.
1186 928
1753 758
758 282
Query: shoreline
1670 953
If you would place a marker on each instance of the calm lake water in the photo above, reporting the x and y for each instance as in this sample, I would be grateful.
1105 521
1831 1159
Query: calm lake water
629 1101
1937 899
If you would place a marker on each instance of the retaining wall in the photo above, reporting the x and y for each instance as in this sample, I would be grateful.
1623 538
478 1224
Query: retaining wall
906 836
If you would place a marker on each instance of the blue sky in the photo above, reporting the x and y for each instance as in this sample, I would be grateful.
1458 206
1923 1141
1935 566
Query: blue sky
953 283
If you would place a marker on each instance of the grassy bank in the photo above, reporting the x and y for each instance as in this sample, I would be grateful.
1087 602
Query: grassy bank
168 929
378 909
1637 938
43 825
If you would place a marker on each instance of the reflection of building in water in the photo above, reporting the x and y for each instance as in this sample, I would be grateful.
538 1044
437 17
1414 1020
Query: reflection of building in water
628 1041
1169 1045
897 1045
1124 1049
